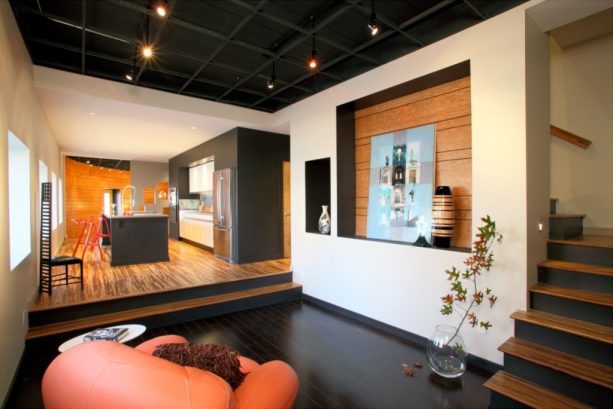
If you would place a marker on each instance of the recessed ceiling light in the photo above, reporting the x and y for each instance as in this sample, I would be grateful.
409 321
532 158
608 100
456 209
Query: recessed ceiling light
193 127
92 113
129 76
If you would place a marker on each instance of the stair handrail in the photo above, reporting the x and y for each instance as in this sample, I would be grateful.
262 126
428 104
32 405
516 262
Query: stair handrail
569 137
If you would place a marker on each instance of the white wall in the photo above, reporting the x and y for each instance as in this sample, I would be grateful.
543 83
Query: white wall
401 285
582 103
20 112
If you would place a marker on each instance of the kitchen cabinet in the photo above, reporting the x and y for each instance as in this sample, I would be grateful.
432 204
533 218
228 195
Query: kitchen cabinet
201 177
196 229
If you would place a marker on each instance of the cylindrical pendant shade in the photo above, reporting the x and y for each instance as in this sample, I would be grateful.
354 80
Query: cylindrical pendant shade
443 216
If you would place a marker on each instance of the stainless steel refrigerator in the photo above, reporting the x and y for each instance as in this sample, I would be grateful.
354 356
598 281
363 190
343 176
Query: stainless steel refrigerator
224 214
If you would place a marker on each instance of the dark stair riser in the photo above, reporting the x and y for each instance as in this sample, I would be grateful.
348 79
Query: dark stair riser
223 308
565 228
569 343
499 401
584 311
577 280
580 254
106 307
560 382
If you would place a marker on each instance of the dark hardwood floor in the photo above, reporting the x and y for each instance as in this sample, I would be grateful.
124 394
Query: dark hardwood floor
341 362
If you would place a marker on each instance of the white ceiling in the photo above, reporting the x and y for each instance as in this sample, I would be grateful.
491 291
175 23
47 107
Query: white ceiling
99 118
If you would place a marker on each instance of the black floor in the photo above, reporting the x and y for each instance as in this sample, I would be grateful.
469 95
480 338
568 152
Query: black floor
341 363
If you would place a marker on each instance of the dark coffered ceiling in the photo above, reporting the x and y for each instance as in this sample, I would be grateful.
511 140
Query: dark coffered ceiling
224 50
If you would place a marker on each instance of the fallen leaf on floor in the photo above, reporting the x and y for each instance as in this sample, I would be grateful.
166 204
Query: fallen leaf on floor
408 371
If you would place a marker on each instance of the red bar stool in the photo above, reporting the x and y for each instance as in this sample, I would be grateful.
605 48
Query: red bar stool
88 241
103 230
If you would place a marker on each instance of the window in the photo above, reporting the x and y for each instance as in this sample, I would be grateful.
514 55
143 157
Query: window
19 200
60 201
54 201
43 174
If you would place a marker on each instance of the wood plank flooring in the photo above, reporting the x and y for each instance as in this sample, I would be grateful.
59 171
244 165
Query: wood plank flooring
189 266
341 363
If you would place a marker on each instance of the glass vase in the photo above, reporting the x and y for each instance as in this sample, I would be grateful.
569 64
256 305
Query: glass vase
446 352
324 221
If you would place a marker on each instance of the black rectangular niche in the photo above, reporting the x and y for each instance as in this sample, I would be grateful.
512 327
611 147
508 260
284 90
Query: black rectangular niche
317 183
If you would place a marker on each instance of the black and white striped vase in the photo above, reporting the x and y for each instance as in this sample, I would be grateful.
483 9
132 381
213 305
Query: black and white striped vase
443 217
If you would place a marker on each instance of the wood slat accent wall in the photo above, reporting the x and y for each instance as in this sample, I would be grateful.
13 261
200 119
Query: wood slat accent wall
85 186
447 106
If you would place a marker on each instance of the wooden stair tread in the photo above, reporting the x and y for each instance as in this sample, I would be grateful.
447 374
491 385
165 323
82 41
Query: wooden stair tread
153 310
529 393
577 267
566 216
587 240
572 365
588 330
592 297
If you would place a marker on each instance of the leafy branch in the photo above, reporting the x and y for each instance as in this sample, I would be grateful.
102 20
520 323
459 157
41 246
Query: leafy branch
461 282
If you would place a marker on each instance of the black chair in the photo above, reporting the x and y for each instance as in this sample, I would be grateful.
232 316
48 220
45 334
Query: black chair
47 262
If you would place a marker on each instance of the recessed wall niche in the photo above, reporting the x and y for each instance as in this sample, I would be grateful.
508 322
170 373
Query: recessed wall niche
441 98
317 194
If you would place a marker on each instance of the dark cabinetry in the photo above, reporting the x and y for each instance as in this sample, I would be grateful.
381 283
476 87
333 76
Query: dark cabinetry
258 159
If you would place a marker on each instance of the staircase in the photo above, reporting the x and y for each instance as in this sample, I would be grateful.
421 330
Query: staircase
562 353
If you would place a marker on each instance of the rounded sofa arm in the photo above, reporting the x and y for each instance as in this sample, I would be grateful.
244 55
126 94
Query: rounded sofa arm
105 374
272 385
150 345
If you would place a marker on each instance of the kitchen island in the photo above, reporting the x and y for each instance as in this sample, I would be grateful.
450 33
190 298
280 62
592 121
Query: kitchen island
139 238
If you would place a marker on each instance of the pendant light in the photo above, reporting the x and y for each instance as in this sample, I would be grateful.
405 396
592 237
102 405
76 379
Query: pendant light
373 26
147 49
273 78
313 61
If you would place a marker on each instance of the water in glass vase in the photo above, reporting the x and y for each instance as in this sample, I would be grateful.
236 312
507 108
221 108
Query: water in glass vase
446 352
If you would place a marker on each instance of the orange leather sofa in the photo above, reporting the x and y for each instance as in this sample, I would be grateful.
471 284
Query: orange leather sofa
109 375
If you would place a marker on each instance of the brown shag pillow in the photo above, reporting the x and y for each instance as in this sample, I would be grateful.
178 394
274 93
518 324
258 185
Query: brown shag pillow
218 359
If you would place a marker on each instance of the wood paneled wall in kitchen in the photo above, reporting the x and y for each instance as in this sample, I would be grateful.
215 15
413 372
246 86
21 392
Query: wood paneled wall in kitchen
85 186
447 106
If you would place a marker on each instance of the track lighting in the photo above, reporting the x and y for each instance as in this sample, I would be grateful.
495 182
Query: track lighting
373 26
160 8
129 76
270 84
313 62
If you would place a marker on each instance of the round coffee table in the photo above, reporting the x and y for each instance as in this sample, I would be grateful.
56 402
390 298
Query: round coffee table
134 330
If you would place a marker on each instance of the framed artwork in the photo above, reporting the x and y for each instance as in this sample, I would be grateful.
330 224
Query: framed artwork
401 184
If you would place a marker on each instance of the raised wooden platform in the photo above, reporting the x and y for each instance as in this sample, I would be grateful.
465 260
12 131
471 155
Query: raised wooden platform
193 284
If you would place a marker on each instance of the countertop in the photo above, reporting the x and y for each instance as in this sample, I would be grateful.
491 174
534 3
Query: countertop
196 215
139 216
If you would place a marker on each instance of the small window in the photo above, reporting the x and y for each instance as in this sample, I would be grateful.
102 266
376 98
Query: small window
43 174
54 201
60 201
19 200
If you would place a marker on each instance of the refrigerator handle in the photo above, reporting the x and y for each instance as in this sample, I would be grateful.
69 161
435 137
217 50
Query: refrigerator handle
220 199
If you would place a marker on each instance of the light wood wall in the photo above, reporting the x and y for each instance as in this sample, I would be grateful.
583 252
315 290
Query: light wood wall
447 106
84 191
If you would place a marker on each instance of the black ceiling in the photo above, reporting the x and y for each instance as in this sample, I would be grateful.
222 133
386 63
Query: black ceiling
117 164
224 50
